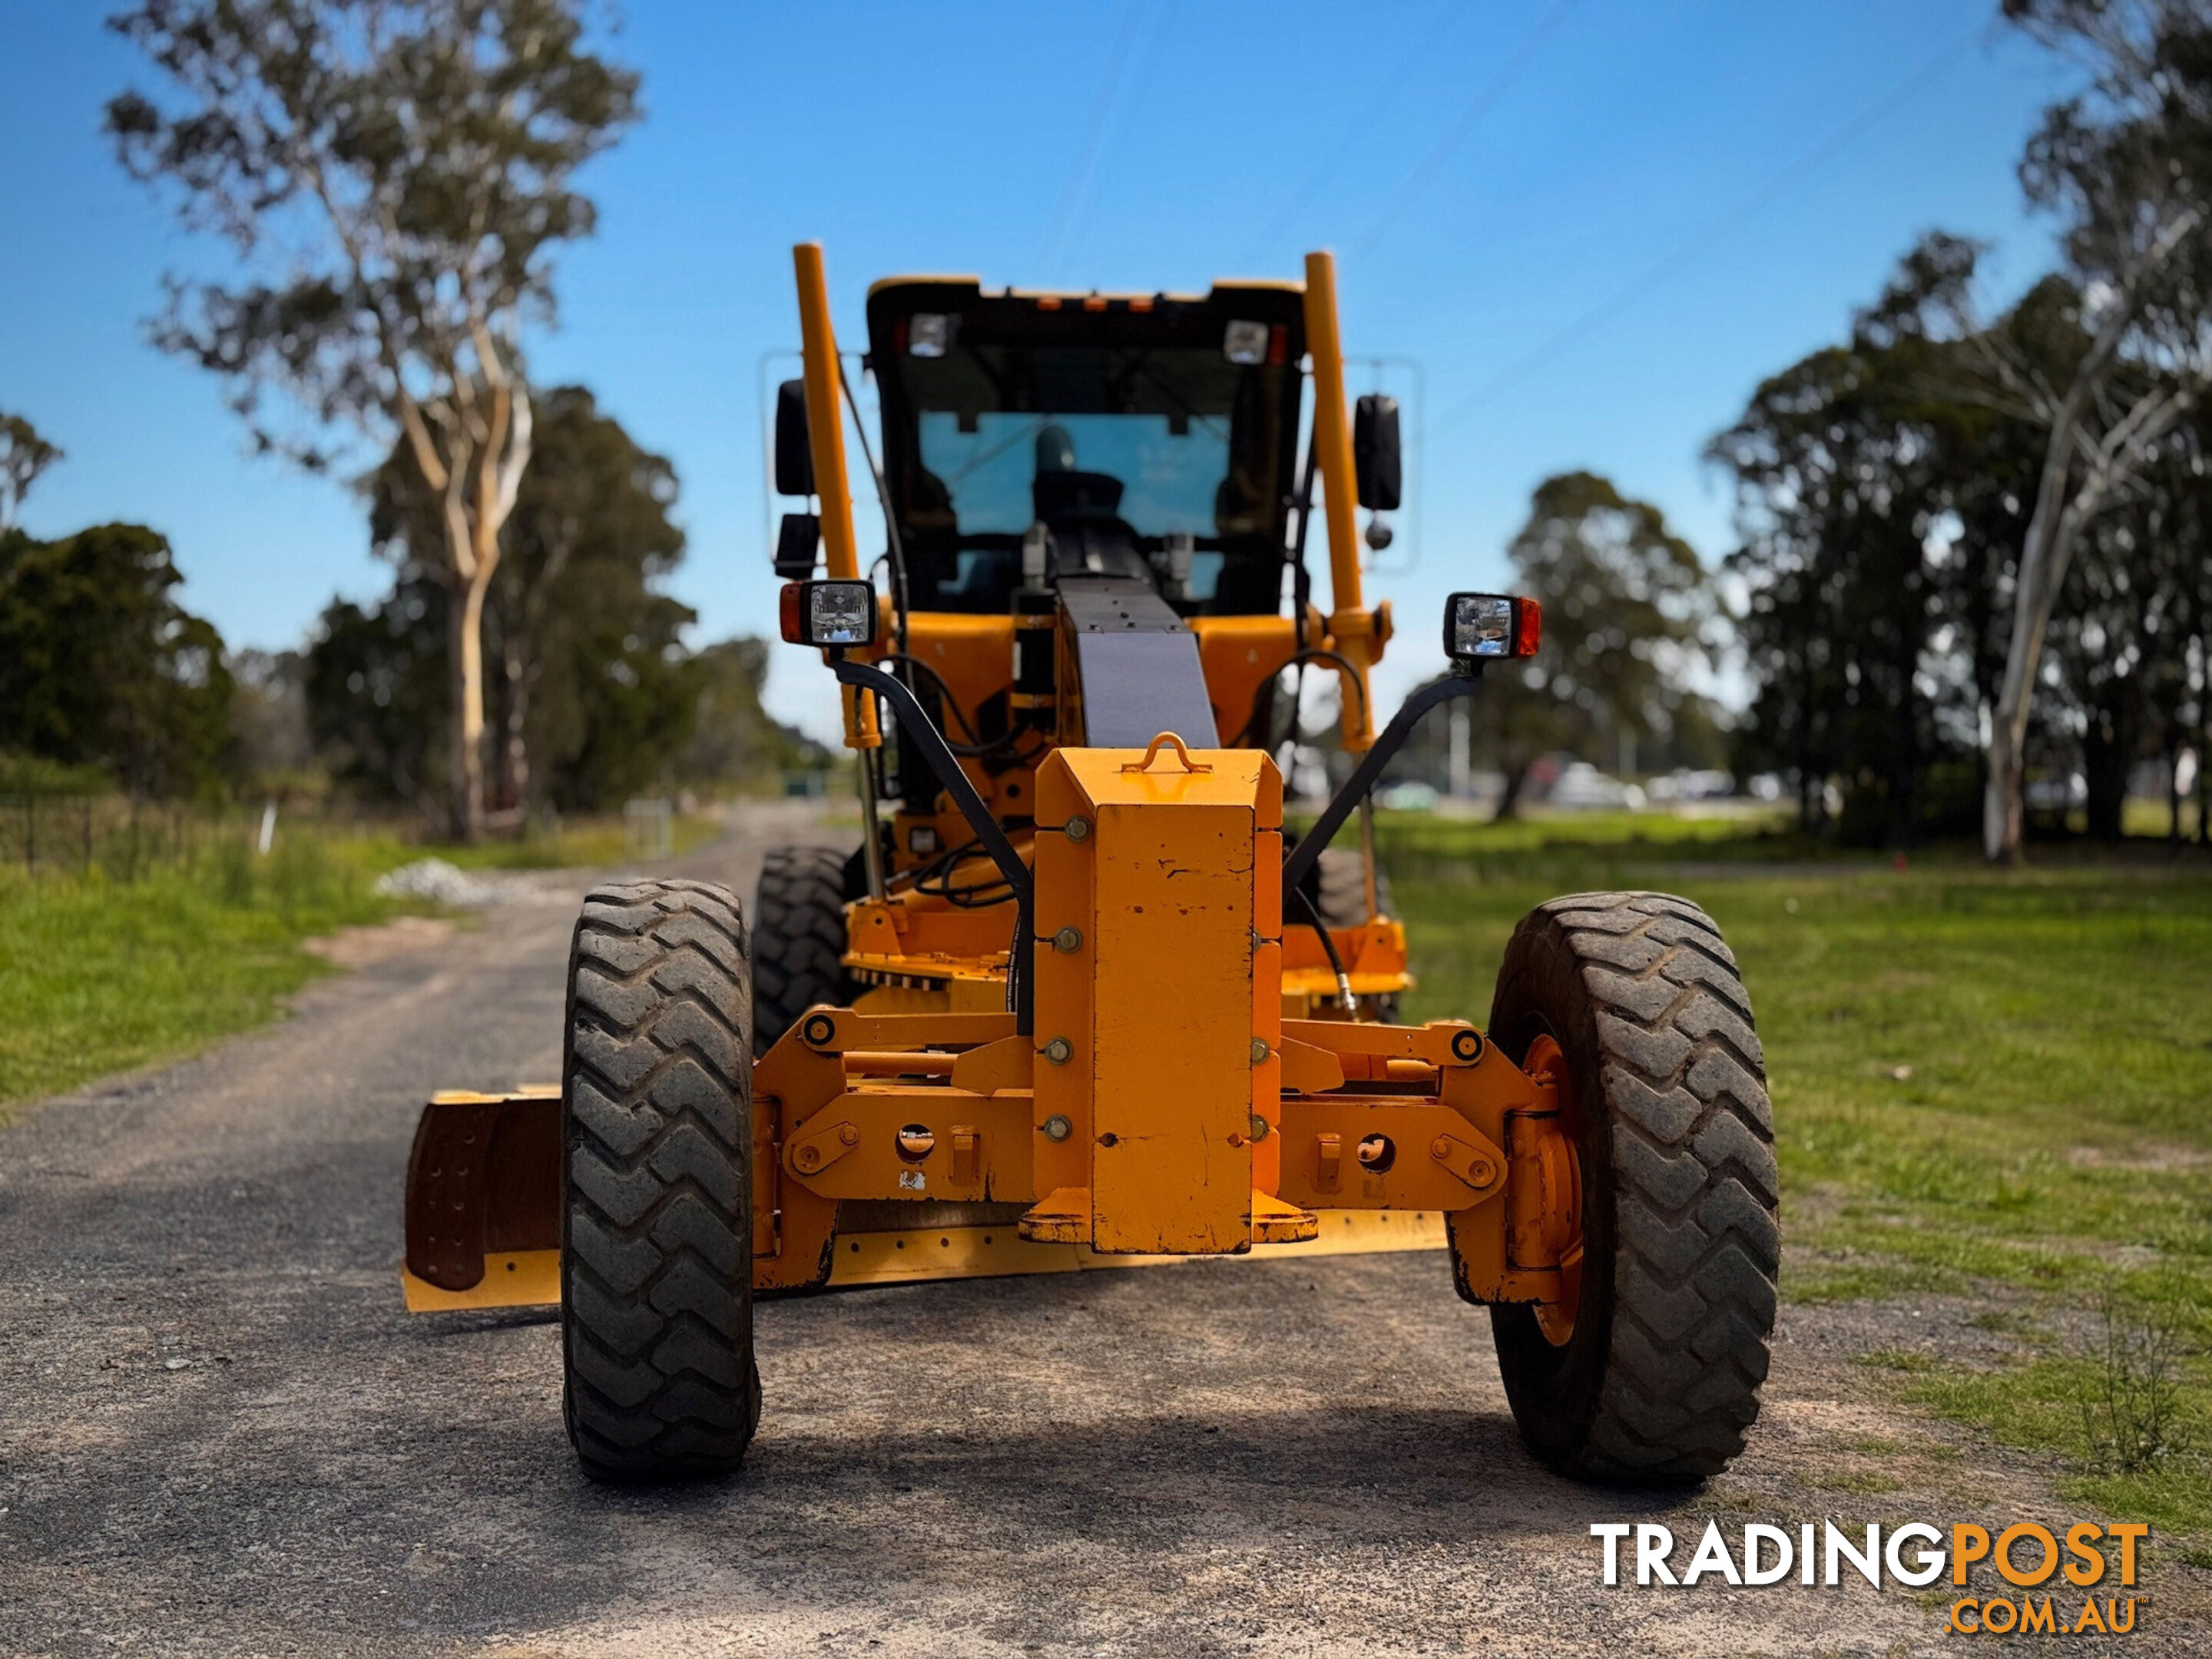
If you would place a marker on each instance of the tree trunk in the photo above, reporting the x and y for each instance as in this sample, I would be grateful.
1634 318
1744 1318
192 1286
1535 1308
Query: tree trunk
465 654
2043 555
2173 787
1509 804
2107 749
2204 786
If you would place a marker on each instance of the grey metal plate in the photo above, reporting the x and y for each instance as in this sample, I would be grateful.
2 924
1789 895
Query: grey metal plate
1139 667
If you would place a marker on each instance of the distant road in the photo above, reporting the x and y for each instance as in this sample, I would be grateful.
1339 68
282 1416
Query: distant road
219 1434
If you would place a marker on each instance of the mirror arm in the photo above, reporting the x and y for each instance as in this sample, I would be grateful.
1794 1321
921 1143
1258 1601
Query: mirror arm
1316 840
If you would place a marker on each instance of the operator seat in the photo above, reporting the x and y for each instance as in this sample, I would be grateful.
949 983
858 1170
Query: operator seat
1081 510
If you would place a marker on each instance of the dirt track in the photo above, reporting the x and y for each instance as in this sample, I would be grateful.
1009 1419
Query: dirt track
221 1434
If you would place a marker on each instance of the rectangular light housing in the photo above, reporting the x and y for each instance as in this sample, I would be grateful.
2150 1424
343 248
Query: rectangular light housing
828 613
929 333
1479 627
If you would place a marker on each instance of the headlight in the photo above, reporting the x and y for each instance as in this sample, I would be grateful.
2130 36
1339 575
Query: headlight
828 613
1245 343
929 333
1482 626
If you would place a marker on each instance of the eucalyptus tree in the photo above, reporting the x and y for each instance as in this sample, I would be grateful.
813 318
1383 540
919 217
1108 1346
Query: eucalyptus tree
1628 611
23 456
580 634
1881 495
2127 166
394 177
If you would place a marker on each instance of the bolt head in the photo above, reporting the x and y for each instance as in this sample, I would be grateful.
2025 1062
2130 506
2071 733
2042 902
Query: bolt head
848 1134
1260 1127
1057 1128
1059 1051
1078 829
1067 940
1440 1147
1260 1051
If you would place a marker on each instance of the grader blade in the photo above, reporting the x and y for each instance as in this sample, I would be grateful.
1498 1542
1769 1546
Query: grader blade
909 1254
484 1202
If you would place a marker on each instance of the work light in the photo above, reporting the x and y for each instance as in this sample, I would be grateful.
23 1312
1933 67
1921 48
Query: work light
1245 343
929 334
828 613
1480 626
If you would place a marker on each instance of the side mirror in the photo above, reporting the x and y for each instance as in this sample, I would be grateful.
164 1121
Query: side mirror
796 539
1376 461
794 449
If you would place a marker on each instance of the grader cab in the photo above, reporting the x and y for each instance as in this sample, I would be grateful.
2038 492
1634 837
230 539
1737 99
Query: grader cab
1083 998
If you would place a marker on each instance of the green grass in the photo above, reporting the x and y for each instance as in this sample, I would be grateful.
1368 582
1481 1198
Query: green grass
100 976
1985 1083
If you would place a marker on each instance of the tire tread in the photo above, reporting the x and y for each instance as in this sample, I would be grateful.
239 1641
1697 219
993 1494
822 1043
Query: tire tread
1696 1243
798 939
657 1256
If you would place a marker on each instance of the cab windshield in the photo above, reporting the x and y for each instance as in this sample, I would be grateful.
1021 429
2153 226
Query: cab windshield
1170 470
1115 428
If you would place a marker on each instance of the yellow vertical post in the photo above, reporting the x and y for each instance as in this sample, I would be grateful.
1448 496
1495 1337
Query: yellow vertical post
1351 624
826 435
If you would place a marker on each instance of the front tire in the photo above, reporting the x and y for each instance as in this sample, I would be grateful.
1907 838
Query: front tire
656 1258
1653 1375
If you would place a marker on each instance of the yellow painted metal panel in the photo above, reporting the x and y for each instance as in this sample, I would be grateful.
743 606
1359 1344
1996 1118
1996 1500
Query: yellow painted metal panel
1060 1102
521 1278
924 1254
1171 1028
533 1277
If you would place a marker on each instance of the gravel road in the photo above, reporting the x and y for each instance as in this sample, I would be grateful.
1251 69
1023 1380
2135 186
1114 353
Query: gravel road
221 1434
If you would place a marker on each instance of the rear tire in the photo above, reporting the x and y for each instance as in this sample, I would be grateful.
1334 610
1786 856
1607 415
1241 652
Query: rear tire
798 939
1339 885
656 1258
1658 1380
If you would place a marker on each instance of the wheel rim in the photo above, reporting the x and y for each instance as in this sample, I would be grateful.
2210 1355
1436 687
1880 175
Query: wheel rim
1561 1173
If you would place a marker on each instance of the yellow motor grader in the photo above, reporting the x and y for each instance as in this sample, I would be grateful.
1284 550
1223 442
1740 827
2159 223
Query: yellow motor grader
1082 997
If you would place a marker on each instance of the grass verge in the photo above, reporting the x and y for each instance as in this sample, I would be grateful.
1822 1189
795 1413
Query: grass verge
1995 1086
101 975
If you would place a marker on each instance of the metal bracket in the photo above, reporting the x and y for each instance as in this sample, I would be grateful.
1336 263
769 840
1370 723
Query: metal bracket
823 1146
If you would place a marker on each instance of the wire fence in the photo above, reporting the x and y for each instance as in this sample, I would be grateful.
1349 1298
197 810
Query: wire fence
74 835
125 839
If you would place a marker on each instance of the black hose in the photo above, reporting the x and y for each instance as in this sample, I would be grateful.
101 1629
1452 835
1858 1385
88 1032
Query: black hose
899 598
1328 949
1297 659
978 747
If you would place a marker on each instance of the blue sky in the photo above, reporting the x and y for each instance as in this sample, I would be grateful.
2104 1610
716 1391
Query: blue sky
1597 224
